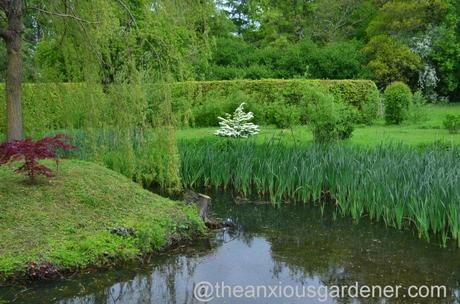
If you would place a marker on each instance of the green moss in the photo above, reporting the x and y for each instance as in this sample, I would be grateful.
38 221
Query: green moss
67 220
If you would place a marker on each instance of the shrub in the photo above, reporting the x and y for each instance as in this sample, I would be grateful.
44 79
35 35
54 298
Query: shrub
417 111
398 98
370 107
284 116
280 113
31 151
338 60
330 120
238 124
452 123
391 60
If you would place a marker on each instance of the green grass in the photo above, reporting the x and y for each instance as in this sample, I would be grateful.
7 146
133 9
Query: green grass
399 185
427 131
66 221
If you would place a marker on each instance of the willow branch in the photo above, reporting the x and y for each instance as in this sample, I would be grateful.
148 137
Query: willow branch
126 7
62 15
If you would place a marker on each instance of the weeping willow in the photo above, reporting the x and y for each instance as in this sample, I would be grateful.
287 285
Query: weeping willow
119 50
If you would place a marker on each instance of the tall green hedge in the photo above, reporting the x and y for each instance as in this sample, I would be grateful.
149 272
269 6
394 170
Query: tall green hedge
53 106
187 96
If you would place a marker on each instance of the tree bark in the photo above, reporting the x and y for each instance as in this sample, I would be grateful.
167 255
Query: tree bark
13 38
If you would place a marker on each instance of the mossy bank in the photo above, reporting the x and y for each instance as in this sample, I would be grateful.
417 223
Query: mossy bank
66 223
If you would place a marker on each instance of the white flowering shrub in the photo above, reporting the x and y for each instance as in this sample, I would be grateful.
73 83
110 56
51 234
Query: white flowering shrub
238 124
427 77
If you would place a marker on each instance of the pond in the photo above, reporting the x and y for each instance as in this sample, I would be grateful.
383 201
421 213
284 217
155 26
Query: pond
271 250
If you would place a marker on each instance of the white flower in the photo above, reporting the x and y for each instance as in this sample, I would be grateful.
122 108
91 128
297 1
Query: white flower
237 125
423 46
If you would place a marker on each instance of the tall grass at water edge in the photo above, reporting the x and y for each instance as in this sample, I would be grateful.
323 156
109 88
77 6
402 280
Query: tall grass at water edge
399 185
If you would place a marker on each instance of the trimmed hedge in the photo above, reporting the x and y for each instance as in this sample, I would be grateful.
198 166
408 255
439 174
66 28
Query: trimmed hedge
53 106
50 106
187 96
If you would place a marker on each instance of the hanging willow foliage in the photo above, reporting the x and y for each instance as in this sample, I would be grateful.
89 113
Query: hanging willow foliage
127 47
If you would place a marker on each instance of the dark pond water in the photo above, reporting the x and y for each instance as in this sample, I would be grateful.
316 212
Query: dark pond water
290 248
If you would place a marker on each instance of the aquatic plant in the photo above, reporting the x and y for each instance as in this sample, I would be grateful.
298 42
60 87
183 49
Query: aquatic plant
399 185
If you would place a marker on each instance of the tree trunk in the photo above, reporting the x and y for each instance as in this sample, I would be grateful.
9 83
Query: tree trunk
13 39
13 88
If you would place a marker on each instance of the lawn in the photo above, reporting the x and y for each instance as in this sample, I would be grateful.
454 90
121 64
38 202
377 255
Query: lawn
427 131
67 220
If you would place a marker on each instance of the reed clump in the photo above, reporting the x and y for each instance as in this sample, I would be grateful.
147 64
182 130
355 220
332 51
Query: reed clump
399 185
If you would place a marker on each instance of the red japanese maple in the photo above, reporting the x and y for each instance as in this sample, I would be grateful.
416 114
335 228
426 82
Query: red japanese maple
31 152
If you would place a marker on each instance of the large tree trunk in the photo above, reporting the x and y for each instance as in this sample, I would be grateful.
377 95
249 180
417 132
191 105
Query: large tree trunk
13 38
13 88
14 71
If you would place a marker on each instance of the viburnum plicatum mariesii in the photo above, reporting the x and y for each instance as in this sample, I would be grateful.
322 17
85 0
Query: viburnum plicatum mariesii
237 125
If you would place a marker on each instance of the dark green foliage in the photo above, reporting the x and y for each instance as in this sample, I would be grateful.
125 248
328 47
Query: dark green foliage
398 98
235 58
446 51
452 123
337 60
386 183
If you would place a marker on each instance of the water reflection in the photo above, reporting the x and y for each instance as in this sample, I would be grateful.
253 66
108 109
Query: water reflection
294 245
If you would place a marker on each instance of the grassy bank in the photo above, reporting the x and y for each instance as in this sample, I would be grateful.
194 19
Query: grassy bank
401 186
427 130
67 221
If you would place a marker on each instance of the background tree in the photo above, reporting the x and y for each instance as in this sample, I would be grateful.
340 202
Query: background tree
391 60
11 32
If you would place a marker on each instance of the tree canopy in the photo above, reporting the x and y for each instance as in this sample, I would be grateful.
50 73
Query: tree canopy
416 41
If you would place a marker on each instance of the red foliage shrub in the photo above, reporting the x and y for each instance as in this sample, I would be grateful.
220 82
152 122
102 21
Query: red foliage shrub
31 152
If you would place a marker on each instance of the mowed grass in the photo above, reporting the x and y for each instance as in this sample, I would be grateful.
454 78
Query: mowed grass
427 131
66 221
